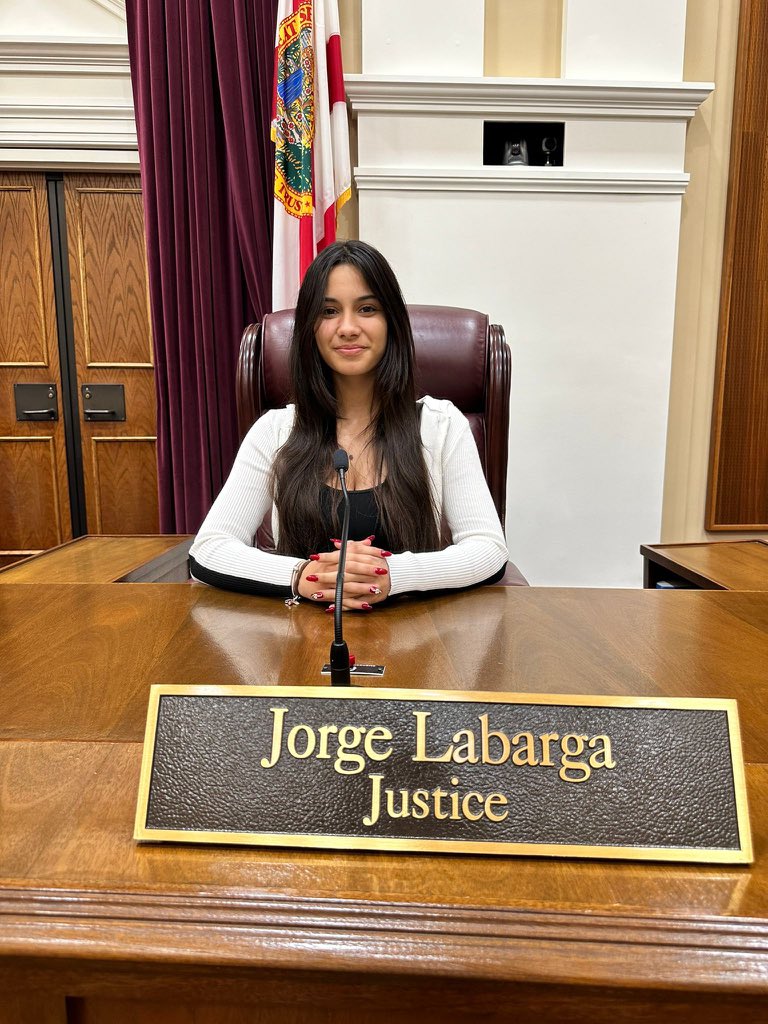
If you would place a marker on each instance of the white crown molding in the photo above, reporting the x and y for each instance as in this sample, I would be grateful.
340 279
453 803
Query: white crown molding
52 127
510 179
59 56
116 7
68 159
417 95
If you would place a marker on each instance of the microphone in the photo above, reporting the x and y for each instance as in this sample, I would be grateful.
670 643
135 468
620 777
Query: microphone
339 650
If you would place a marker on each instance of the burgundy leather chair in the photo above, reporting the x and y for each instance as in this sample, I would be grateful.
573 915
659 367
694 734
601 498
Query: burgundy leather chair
459 356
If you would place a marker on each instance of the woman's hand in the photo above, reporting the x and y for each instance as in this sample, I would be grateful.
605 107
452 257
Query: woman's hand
366 576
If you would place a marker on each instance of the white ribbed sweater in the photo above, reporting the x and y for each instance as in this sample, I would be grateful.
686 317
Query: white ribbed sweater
224 543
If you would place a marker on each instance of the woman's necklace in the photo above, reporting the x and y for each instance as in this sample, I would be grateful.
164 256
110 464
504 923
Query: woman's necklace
357 471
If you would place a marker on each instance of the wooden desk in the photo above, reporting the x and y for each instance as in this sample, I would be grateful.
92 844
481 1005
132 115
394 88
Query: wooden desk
106 559
292 935
721 565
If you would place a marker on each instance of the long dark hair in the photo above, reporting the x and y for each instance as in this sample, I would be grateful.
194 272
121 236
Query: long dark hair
304 463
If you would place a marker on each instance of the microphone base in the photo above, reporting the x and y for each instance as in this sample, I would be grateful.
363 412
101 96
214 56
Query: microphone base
339 664
358 670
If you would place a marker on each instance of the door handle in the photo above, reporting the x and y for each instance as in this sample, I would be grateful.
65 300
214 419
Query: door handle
111 400
35 402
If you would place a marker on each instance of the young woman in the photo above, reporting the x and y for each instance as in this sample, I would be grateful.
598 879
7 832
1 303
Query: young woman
413 464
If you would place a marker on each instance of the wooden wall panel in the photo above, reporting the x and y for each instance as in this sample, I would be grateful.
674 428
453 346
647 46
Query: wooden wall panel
113 277
33 1008
738 490
113 345
34 492
30 462
23 337
125 491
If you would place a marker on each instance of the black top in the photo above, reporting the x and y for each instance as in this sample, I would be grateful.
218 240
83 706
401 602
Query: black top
363 515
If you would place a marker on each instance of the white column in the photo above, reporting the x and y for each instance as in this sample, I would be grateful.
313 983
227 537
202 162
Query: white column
423 37
578 263
626 40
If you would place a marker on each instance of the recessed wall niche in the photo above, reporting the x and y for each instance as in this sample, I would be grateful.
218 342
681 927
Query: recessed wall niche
521 143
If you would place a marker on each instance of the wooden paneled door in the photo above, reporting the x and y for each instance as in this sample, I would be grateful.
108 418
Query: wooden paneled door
74 312
113 345
34 492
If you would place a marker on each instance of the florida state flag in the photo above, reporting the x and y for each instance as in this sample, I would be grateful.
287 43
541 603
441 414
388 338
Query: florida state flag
309 128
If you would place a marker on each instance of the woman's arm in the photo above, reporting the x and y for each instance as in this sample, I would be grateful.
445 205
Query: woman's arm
479 551
222 553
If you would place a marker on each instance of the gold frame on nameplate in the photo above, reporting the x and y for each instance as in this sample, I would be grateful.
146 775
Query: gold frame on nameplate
744 855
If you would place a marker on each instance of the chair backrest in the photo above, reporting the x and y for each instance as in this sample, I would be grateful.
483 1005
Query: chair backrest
459 356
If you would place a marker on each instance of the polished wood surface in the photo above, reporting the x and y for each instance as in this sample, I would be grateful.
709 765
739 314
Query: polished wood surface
104 560
738 485
727 565
113 345
34 495
86 912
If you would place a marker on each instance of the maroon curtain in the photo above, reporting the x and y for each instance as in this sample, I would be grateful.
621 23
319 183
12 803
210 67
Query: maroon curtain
202 86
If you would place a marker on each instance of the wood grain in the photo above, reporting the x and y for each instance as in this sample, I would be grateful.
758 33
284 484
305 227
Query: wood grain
33 1009
23 311
735 565
67 853
124 484
92 559
113 345
13 557
738 486
28 469
107 221
34 497
110 644
211 933
189 995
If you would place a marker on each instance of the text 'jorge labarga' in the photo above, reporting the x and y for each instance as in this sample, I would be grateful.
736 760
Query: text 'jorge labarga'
353 748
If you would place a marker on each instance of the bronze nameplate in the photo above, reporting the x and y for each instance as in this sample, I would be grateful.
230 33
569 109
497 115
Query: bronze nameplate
470 772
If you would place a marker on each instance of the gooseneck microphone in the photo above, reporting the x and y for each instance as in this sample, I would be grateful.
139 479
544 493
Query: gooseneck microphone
339 651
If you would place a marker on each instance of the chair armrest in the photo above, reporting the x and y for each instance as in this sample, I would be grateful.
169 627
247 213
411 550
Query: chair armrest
497 417
246 382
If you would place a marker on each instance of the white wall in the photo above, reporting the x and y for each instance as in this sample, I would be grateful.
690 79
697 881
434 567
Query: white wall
590 344
65 87
577 263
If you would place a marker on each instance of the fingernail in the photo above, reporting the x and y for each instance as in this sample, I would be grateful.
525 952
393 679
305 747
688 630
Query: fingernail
386 554
374 590
312 578
380 572
335 540
314 558
318 596
352 660
372 537
366 607
330 608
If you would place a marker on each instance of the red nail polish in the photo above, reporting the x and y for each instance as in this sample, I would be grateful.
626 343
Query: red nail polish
314 558
312 578
374 590
381 572
335 540
386 554
330 608
366 607
318 596
352 660
372 537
